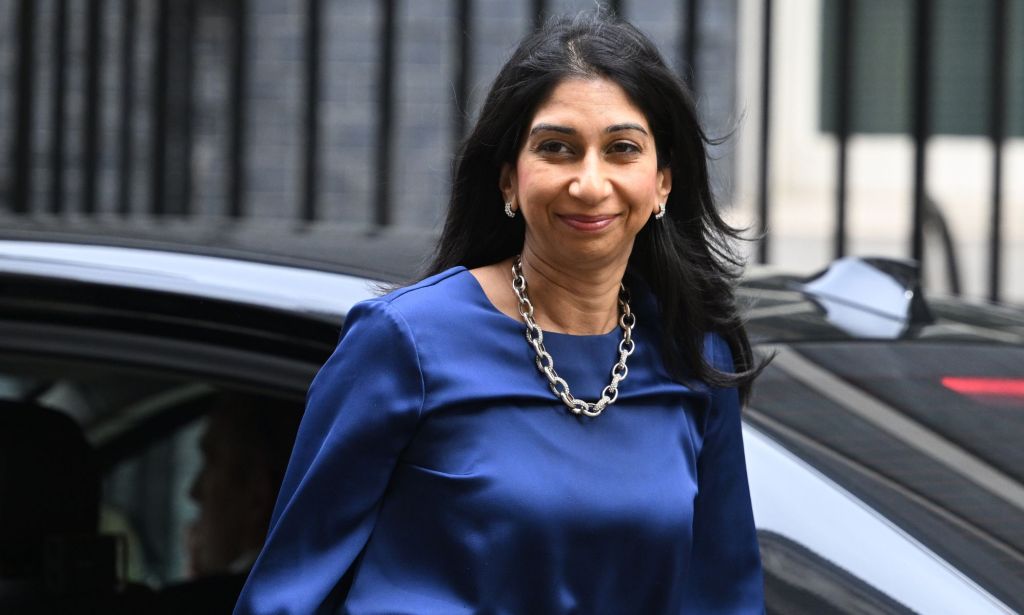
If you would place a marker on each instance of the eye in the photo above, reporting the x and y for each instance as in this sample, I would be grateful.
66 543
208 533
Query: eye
624 147
553 147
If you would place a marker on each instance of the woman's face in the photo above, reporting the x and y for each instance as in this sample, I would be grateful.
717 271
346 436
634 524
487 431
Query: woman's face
587 178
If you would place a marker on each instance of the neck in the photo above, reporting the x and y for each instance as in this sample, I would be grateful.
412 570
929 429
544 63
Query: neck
575 301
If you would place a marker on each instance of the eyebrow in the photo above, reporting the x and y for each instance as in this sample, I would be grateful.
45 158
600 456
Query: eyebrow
571 131
620 127
552 128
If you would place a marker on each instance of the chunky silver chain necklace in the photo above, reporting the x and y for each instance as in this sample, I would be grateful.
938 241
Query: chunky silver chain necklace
546 364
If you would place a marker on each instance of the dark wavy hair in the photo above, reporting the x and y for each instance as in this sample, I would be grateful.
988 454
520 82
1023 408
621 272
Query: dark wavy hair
687 258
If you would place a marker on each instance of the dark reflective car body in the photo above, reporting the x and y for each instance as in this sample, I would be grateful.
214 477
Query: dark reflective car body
922 424
886 471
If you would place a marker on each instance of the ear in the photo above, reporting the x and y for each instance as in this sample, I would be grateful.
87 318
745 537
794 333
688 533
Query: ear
664 186
507 183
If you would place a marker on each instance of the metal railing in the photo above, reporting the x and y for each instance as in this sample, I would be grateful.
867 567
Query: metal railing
171 125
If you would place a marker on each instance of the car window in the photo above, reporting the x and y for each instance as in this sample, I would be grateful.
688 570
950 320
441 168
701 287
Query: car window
161 461
926 433
145 498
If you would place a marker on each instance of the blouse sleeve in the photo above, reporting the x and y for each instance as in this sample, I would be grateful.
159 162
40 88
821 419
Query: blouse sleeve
361 411
725 566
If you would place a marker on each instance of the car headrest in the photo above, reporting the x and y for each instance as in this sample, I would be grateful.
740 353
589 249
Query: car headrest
49 483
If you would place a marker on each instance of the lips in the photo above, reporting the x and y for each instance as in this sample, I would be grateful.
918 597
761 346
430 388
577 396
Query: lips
588 223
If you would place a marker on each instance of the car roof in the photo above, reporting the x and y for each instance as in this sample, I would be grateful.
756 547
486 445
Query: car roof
271 286
324 268
391 254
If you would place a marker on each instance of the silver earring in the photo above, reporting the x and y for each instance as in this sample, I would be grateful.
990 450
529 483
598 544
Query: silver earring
661 212
511 213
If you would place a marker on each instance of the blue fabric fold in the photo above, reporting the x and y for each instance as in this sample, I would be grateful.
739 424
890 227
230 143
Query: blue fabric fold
435 472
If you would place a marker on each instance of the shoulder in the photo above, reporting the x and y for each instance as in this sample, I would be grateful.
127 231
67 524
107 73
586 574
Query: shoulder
429 296
407 308
428 290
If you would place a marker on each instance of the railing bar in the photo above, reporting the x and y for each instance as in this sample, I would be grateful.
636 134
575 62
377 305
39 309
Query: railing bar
126 161
92 116
766 83
844 77
236 179
935 219
920 123
464 41
60 35
997 128
691 43
385 123
158 180
539 10
21 150
310 163
183 204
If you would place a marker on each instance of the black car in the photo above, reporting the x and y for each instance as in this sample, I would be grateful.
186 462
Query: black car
883 441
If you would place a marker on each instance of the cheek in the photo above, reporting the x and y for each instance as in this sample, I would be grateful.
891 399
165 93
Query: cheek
524 178
641 186
538 186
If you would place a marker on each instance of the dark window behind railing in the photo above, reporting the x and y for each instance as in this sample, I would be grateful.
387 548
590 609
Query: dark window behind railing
924 67
156 107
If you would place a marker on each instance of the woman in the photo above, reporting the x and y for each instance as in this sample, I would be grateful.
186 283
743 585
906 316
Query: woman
448 465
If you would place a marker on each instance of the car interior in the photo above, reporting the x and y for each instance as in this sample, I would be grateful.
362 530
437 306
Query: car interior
140 440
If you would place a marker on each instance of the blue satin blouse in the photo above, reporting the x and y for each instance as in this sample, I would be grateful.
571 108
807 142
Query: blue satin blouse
435 472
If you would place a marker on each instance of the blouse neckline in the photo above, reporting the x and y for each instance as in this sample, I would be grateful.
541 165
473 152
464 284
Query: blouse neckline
485 301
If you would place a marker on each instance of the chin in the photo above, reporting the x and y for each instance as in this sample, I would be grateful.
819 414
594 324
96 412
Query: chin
581 250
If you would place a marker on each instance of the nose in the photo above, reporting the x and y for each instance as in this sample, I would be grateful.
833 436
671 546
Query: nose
590 185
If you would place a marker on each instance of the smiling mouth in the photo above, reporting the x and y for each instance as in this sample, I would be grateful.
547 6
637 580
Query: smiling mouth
588 223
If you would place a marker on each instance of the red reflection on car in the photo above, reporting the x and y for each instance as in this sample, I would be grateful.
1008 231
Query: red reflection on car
1000 387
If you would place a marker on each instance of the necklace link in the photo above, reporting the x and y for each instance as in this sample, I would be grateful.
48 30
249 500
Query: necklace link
546 364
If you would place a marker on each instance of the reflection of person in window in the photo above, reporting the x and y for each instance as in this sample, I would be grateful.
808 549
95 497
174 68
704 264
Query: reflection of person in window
245 450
